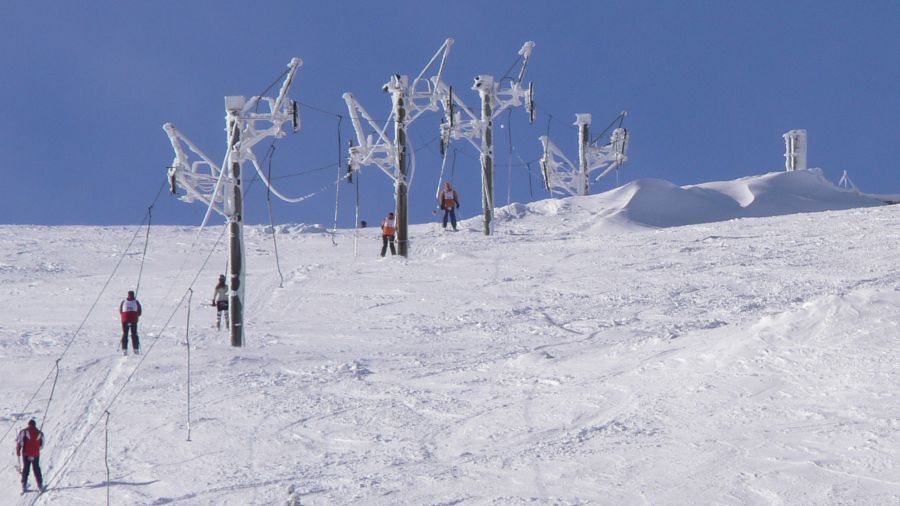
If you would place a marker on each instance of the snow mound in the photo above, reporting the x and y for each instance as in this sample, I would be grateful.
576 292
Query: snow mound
660 204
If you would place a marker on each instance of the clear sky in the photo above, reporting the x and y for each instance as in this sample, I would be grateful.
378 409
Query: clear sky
709 86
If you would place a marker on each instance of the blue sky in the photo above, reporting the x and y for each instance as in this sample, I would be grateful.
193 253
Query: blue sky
710 87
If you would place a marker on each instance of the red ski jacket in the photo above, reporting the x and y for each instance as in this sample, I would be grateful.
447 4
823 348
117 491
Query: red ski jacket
130 310
31 440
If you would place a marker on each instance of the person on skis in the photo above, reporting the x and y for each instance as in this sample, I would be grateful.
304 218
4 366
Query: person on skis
220 300
449 202
388 229
130 311
28 446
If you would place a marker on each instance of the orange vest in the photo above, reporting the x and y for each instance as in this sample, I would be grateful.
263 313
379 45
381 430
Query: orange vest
448 199
388 226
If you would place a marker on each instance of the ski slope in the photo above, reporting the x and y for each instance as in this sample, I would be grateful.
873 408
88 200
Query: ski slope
714 344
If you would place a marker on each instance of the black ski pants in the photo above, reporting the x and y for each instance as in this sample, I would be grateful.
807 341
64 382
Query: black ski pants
221 309
385 240
27 464
135 341
451 212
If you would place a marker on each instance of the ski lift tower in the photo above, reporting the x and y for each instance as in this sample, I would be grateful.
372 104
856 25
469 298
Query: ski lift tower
479 131
562 175
409 102
222 188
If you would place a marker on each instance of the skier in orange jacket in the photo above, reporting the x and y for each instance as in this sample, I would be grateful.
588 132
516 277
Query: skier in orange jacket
449 202
388 229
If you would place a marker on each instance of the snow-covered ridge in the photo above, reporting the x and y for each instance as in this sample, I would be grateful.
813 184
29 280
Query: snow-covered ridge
658 203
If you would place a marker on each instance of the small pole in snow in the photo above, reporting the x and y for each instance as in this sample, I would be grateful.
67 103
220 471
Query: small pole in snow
187 337
106 455
356 216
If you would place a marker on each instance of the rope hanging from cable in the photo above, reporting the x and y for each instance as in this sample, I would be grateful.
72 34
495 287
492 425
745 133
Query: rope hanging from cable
337 191
272 220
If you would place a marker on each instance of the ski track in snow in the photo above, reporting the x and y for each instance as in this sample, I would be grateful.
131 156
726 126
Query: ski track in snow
743 362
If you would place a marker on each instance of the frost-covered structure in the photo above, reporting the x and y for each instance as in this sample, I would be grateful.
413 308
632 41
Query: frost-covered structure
563 176
795 150
201 179
409 102
221 188
462 123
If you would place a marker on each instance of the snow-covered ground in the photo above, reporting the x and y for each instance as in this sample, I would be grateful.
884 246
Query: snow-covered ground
580 355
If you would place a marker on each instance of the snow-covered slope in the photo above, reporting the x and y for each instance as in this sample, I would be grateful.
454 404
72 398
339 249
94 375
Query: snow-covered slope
575 357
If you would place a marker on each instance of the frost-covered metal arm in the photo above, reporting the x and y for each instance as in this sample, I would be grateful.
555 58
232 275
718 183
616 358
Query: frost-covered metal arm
200 179
423 95
499 96
609 156
573 179
369 151
559 172
259 125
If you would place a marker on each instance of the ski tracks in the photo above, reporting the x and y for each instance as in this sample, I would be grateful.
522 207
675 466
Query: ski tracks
82 411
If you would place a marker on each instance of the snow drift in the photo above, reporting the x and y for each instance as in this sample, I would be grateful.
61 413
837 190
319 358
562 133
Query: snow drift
659 204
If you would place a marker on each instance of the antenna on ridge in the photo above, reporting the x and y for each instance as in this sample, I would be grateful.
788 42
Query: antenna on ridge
846 183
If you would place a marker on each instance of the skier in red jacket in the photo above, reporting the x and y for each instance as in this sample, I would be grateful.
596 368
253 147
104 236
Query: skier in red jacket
130 311
28 446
